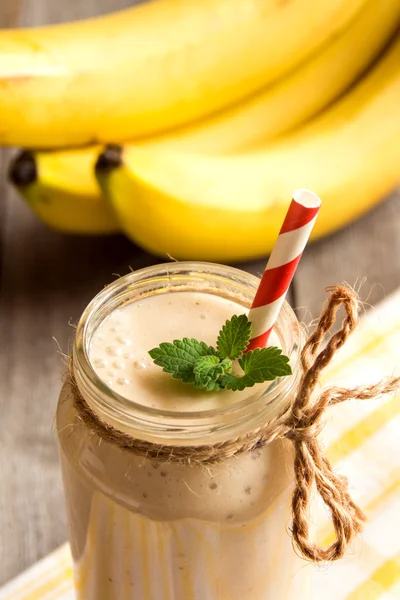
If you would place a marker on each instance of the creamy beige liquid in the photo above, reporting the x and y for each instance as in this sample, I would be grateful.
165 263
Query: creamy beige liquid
119 349
141 530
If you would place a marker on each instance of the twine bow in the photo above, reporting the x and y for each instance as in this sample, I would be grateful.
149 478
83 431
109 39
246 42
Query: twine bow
301 424
304 423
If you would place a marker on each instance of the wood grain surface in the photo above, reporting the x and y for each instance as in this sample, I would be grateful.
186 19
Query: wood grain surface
48 278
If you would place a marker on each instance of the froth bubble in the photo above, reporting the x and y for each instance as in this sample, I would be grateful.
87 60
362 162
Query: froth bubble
124 340
118 364
113 351
122 381
139 365
100 363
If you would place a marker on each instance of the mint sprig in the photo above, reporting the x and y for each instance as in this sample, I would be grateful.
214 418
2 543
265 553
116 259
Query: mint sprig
211 369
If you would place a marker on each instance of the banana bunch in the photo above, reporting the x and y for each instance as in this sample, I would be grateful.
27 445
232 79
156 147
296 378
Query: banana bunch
213 112
153 67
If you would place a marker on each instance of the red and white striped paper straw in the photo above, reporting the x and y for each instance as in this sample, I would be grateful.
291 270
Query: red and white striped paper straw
282 265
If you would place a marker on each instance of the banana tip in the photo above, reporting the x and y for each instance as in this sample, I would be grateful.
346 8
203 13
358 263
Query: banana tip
109 159
23 169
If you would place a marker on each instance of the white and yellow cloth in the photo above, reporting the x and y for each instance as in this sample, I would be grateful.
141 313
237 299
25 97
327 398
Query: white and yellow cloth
363 441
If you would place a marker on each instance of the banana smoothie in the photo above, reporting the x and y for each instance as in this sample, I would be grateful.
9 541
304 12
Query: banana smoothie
147 529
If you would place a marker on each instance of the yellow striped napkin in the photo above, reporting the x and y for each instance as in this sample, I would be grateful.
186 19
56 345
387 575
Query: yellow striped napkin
363 441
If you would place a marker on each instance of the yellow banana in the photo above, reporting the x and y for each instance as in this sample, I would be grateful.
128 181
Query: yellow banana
230 208
65 199
152 67
296 97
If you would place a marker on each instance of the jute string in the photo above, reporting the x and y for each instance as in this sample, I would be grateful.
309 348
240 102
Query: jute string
301 424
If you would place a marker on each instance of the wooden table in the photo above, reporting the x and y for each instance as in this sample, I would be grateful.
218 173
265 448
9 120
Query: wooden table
48 278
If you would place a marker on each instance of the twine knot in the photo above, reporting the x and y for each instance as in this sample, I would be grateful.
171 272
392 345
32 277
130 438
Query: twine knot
307 428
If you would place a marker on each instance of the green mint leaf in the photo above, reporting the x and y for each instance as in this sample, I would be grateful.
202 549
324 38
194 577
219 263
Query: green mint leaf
229 382
179 357
262 364
211 370
265 364
234 337
207 371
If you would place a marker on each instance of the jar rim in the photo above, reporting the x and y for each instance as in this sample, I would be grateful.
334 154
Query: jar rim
147 422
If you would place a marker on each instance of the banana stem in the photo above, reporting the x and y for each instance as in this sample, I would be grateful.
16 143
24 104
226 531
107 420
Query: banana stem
109 159
23 169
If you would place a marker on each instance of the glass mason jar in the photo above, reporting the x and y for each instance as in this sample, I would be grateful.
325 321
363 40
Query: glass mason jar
143 529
